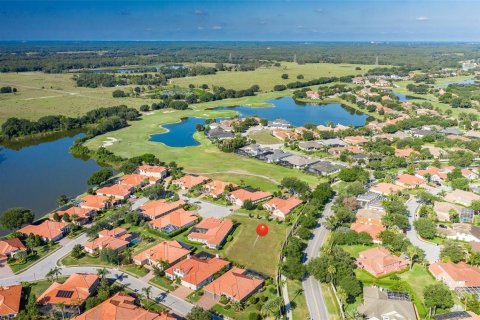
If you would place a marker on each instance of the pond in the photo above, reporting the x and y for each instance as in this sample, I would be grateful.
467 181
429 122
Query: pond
402 97
181 134
34 176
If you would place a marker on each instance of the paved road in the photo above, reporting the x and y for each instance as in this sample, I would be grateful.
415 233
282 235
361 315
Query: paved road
208 209
432 251
313 292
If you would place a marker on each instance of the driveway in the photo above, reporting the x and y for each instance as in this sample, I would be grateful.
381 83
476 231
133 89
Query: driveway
208 209
432 251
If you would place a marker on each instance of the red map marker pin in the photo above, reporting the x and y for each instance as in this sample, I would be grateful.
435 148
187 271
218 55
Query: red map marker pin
262 230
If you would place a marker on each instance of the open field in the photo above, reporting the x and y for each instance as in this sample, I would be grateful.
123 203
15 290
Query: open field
297 299
264 137
266 78
264 256
41 94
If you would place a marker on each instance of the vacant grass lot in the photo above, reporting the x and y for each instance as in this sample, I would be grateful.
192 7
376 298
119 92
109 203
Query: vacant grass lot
266 78
264 137
297 299
263 257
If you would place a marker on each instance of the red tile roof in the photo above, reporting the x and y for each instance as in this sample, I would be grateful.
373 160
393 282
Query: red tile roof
242 195
158 208
153 169
106 243
285 206
372 229
74 291
234 284
169 251
380 261
190 181
47 229
410 180
94 202
134 180
10 299
196 270
115 232
116 190
404 153
81 213
215 230
460 272
216 187
178 218
8 246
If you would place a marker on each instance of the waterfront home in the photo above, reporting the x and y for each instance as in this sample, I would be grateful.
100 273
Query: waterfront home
297 161
47 230
379 261
239 196
444 210
464 198
78 215
189 181
409 181
153 171
135 180
456 275
196 271
219 134
382 304
157 208
116 191
312 95
167 252
96 202
116 239
71 294
279 124
10 298
211 231
236 284
121 307
280 208
174 220
385 188
10 247
462 231
216 188
324 168
284 134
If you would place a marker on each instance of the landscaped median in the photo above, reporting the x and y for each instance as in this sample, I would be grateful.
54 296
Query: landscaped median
41 253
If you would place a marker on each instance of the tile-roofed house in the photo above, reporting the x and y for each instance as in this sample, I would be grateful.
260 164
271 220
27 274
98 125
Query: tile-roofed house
355 140
48 230
216 188
83 214
404 153
372 229
195 272
236 284
436 174
211 232
117 191
464 198
10 247
253 150
409 181
121 307
136 180
381 304
115 239
239 196
337 151
115 232
10 298
189 181
280 208
462 231
95 202
456 275
72 293
174 220
153 171
379 261
369 216
443 210
298 161
385 188
324 168
157 208
284 134
312 95
469 174
169 251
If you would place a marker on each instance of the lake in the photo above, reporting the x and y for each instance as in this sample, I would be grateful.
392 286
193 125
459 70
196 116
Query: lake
402 97
181 134
34 176
466 81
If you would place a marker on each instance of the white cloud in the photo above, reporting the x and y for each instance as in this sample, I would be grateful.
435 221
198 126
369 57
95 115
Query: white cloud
217 27
199 12
422 18
200 28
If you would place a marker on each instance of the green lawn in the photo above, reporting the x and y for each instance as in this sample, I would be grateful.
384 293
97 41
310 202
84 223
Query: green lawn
135 270
87 259
331 302
39 287
355 250
263 257
163 283
41 252
264 137
297 299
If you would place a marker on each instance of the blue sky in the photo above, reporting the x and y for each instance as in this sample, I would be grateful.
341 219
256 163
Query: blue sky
261 20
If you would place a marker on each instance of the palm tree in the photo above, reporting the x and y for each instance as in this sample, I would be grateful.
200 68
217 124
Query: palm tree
102 272
237 306
412 253
128 253
147 291
54 273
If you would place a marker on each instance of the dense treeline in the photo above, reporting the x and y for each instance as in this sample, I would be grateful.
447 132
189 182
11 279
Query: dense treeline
106 119
62 56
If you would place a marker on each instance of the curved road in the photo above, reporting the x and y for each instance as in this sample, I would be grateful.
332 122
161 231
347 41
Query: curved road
313 292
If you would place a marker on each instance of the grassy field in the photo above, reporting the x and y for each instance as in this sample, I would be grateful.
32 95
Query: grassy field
264 137
41 252
297 299
40 94
330 301
266 78
263 257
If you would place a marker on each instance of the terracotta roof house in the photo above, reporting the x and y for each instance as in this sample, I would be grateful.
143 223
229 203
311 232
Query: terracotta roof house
464 198
174 220
153 171
383 304
117 191
462 231
135 180
443 209
436 174
284 134
10 298
168 251
47 230
379 261
370 216
239 196
236 284
456 275
404 153
355 140
115 239
10 247
216 188
409 181
337 151
372 229
121 307
189 181
280 208
157 208
195 272
312 95
385 188
115 232
84 215
211 232
469 174
95 202
72 293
